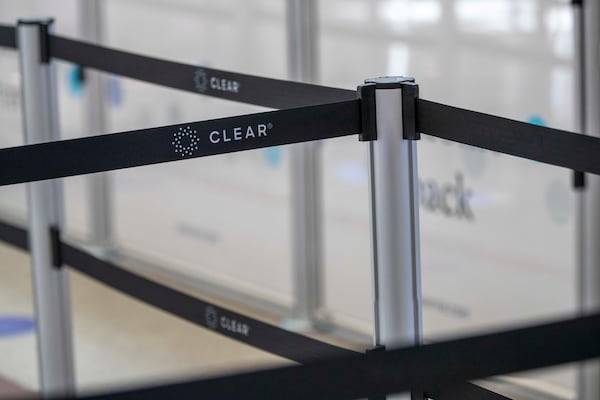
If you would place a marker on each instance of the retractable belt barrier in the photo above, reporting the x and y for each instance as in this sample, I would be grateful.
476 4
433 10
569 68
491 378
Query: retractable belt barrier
226 322
305 123
240 327
309 112
236 326
438 365
228 85
248 330
177 142
205 138
551 146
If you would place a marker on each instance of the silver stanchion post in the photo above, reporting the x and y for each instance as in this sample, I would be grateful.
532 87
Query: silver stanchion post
389 123
589 191
91 13
305 177
44 201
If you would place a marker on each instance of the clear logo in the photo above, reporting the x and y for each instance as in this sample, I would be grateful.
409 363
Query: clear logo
240 133
201 80
185 141
211 317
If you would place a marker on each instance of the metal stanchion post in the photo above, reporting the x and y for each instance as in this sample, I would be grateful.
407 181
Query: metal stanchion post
589 199
394 211
99 185
305 176
44 201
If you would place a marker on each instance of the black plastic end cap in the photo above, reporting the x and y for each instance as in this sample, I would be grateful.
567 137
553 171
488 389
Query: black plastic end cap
35 21
390 82
410 94
44 24
57 259
81 77
366 94
578 180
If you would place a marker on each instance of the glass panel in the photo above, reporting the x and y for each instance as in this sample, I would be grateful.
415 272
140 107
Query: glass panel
497 232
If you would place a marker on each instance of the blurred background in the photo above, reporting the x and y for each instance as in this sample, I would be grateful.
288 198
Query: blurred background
497 233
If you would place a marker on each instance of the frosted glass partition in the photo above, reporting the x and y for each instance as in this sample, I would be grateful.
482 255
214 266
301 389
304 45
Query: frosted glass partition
497 243
222 219
497 232
12 198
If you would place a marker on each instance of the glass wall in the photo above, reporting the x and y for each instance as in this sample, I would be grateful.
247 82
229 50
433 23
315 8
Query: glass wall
497 240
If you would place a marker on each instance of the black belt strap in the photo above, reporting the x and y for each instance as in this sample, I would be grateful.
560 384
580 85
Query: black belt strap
223 321
8 36
438 365
199 139
228 85
551 146
177 142
14 235
465 391
236 326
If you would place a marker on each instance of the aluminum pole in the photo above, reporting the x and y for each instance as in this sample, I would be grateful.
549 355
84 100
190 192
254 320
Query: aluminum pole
589 218
305 191
44 201
395 222
99 185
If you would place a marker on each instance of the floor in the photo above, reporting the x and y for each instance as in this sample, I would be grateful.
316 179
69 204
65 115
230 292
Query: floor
112 349
10 390
122 343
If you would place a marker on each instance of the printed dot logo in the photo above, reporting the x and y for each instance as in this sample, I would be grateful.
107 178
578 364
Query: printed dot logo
185 141
211 317
201 80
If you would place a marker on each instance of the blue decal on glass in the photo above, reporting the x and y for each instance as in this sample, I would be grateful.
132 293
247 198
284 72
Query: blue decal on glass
273 156
75 80
536 120
12 325
114 91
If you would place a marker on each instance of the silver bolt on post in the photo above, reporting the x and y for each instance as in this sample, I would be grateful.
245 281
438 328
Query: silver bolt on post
44 202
